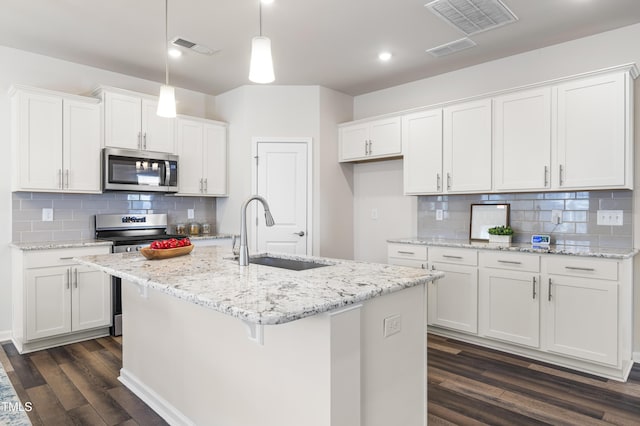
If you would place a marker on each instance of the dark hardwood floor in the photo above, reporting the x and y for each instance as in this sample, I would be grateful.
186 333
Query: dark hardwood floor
76 385
468 385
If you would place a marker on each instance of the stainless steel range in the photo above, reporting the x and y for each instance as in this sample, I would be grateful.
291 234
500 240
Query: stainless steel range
128 232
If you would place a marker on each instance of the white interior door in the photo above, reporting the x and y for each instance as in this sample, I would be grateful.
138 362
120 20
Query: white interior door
282 179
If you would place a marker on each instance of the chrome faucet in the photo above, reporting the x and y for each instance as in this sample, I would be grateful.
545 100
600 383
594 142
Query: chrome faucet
243 258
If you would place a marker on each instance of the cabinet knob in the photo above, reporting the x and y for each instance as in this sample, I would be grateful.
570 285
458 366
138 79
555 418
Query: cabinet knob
299 234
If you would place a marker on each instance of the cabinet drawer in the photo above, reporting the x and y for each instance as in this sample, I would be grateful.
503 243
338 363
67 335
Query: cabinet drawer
512 261
407 262
577 267
407 251
453 255
60 257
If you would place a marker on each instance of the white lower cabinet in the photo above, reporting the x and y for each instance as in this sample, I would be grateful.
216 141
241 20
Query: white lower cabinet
56 300
571 311
452 301
509 298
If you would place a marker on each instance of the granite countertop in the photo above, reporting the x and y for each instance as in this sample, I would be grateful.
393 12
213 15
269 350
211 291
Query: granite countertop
260 294
49 245
571 250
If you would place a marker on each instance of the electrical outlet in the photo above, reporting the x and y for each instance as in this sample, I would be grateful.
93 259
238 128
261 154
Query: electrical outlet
610 217
439 214
556 217
392 325
47 215
191 214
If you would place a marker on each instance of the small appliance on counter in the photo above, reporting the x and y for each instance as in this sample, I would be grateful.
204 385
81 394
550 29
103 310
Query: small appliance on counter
194 228
205 228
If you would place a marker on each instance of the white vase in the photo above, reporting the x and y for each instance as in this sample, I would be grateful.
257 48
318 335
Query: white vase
503 239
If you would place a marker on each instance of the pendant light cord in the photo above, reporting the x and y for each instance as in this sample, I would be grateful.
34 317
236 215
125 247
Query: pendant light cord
260 18
166 38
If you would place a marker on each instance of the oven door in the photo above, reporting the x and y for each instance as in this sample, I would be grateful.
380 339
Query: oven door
130 170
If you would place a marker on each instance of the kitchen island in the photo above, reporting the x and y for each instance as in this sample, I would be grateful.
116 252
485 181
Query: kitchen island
206 341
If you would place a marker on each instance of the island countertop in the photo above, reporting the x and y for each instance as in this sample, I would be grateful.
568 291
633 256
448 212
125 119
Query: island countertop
260 294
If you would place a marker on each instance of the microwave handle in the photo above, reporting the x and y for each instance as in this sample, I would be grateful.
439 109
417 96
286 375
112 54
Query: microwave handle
167 173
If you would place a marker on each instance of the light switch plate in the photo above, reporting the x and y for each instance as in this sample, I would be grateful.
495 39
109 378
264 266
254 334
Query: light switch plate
190 214
392 325
610 217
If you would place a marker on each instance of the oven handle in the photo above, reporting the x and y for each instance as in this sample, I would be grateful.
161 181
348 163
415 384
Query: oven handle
167 173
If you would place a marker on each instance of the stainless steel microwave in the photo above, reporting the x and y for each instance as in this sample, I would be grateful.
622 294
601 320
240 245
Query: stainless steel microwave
139 171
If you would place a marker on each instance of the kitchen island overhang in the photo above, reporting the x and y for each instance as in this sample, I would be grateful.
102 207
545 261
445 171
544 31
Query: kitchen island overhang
337 345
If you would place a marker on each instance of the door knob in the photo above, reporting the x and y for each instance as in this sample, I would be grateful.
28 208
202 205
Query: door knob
300 234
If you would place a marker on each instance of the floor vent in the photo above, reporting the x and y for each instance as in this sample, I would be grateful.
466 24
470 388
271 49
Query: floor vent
472 16
452 47
204 50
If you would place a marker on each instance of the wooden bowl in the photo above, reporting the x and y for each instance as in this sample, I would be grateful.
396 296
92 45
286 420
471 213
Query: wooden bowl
153 254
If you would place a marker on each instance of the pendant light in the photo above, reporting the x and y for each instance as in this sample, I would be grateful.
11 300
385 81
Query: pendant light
261 67
167 101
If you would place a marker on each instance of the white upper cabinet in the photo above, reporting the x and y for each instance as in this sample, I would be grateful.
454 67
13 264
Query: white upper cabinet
422 149
467 147
56 141
131 122
370 140
202 148
522 140
593 133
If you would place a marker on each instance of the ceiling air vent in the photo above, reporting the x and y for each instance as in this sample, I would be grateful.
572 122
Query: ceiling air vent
452 47
204 50
472 16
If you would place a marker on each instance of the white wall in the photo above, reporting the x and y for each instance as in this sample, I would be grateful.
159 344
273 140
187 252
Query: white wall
20 67
287 112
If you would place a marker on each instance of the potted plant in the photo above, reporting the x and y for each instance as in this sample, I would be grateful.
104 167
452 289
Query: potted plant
500 234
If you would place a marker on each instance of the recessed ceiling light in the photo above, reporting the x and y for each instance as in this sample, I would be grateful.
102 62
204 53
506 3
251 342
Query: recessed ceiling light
175 53
384 56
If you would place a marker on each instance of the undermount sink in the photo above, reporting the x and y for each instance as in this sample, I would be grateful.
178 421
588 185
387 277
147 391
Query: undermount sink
290 264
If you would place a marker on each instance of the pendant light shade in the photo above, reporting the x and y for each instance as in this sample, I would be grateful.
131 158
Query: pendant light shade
261 68
167 101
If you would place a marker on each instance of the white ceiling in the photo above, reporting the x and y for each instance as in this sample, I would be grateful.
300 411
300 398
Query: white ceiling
333 43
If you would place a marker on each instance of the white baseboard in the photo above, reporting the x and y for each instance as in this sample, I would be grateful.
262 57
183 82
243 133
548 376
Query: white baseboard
5 335
158 404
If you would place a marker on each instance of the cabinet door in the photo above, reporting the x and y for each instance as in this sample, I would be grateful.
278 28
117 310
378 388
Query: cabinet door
215 159
352 141
158 133
48 302
581 318
591 132
467 147
385 137
122 121
81 146
422 150
509 306
453 300
91 298
190 148
39 141
522 140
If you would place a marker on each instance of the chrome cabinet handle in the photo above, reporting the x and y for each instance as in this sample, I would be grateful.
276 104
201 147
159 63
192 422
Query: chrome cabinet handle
66 178
406 252
577 268
60 178
534 288
510 262
75 271
438 182
448 256
546 176
299 234
145 140
366 147
200 184
370 144
549 289
561 174
448 180
206 185
139 140
68 278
